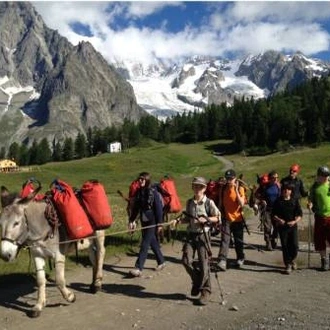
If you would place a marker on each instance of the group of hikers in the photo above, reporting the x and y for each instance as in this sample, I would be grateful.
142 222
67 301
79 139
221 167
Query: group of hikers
279 200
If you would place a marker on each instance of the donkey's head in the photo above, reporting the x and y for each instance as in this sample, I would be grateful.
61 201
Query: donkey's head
14 230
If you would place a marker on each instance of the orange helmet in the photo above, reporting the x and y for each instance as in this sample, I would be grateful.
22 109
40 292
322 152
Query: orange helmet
295 168
264 179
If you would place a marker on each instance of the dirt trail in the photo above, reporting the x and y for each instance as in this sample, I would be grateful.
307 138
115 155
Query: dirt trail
258 296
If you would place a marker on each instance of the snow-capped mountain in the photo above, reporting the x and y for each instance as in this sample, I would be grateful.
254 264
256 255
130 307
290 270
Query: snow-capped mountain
166 88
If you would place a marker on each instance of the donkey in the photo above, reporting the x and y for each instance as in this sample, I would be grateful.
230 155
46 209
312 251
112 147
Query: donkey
24 224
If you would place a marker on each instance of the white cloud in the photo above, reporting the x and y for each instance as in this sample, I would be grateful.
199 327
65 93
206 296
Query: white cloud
231 27
146 8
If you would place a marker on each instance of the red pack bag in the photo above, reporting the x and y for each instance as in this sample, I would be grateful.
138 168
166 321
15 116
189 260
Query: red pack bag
133 188
96 205
168 185
28 188
71 212
212 190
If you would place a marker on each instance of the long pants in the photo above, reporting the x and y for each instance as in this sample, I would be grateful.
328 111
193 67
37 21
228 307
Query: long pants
321 232
149 239
199 271
237 229
270 229
289 243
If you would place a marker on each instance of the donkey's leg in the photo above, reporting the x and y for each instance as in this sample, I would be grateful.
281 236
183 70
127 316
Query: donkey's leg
96 256
41 283
67 294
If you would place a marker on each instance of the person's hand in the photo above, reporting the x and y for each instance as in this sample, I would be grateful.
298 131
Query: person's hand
202 219
160 229
309 205
173 224
255 209
291 223
131 227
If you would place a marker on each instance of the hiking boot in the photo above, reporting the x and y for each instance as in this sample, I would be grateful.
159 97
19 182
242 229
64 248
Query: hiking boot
135 272
204 298
288 269
194 291
160 267
324 264
269 246
294 265
222 265
273 243
239 263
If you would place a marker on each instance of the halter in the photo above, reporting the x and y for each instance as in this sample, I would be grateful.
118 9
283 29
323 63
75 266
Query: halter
21 239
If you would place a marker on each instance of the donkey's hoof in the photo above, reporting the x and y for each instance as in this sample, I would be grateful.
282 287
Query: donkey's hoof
95 288
33 313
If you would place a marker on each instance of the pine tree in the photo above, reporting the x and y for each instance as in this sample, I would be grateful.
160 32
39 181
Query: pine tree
68 149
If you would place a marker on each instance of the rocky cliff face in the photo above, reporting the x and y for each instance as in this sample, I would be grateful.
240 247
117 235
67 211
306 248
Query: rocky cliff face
276 72
50 88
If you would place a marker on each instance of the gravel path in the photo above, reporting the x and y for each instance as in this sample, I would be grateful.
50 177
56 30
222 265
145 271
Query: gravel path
258 296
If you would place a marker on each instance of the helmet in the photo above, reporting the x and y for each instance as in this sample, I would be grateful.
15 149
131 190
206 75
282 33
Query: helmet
263 180
323 171
295 168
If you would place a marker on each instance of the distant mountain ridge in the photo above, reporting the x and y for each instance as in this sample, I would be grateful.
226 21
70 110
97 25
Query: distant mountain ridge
50 88
170 88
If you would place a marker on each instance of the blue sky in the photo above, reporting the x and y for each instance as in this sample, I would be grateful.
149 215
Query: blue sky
140 30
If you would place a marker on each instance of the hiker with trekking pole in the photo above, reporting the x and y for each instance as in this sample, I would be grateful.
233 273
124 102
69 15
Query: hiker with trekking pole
319 203
231 202
201 213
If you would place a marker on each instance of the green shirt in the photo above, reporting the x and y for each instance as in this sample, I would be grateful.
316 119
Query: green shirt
321 199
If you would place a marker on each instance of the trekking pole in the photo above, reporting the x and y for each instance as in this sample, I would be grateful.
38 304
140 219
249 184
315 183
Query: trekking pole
309 238
222 299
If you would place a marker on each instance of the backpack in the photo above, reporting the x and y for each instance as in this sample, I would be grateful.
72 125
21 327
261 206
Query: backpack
28 187
170 196
70 210
95 203
215 228
212 190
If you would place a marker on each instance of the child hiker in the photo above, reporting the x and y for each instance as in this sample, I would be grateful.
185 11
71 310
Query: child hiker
201 213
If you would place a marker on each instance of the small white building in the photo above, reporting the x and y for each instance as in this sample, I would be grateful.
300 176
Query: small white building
114 147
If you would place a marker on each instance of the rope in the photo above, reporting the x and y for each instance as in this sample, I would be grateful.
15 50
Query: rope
106 235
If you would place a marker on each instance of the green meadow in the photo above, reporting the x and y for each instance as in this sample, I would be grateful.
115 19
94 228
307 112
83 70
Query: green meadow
182 162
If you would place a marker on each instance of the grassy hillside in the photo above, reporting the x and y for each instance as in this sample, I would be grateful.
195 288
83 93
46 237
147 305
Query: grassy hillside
183 162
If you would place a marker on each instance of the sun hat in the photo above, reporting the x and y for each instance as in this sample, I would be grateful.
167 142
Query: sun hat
199 180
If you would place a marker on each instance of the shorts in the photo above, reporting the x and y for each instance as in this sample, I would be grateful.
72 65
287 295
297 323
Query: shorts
321 232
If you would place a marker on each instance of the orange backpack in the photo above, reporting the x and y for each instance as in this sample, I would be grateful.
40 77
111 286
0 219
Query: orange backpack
96 205
171 197
70 210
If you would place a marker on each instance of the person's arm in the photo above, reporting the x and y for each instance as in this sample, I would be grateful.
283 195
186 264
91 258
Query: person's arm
298 215
276 214
240 192
303 191
214 217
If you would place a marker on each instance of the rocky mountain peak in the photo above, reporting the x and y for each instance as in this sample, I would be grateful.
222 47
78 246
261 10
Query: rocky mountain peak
51 88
